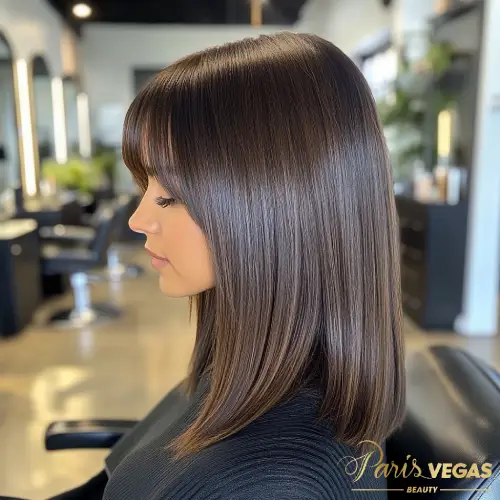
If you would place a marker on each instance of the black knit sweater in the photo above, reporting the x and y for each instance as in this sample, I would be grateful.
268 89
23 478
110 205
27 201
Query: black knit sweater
284 455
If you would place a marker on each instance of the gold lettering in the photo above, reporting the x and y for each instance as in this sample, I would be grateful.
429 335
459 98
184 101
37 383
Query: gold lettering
460 470
434 469
397 470
473 471
356 466
382 470
486 468
418 469
446 470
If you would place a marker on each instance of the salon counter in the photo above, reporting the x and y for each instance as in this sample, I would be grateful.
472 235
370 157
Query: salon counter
20 274
66 208
432 261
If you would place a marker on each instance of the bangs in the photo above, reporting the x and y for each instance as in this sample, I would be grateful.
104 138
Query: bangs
148 149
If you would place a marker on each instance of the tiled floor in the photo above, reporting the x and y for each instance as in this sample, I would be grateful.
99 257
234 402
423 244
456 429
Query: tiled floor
116 370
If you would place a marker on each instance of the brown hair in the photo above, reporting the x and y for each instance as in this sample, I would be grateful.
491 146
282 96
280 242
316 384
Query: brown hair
275 147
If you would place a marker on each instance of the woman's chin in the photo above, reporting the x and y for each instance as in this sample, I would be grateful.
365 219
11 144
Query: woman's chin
168 288
172 286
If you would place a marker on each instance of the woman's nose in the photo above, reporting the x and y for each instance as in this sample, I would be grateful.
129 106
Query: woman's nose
142 222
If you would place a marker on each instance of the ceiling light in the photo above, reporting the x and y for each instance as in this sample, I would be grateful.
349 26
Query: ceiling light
82 10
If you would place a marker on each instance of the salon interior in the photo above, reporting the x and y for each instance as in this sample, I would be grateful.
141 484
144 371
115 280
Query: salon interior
84 331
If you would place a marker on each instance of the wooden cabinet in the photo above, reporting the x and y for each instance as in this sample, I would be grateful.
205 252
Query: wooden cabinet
432 261
20 287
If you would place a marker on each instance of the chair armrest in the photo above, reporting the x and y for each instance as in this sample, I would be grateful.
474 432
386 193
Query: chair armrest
61 232
81 434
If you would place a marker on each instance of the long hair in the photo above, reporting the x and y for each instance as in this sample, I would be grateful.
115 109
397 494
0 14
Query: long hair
274 146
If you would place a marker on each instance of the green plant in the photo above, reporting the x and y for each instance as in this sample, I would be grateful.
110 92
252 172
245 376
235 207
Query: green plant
417 98
76 174
439 57
105 162
106 159
401 110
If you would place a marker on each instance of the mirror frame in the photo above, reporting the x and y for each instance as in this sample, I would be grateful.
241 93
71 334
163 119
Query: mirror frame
17 109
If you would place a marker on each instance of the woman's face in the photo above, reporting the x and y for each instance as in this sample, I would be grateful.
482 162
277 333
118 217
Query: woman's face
179 249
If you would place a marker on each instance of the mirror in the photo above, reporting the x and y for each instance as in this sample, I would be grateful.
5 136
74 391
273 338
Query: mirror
44 116
70 93
9 149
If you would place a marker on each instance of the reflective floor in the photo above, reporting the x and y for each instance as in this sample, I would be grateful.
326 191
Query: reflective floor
116 370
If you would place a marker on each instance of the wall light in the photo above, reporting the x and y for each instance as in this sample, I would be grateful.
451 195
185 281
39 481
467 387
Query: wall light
28 145
444 134
60 140
84 139
82 10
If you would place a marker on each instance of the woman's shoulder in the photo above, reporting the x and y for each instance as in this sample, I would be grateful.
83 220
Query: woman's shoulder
285 454
289 466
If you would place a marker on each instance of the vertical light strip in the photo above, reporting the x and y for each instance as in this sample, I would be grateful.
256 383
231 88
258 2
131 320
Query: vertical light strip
84 139
444 134
28 146
60 140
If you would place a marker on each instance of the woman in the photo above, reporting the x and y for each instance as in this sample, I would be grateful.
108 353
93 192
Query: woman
268 200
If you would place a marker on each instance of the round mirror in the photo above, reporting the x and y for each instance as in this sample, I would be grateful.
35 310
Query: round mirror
70 93
44 116
9 149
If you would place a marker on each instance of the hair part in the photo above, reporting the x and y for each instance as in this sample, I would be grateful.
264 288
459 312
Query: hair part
275 147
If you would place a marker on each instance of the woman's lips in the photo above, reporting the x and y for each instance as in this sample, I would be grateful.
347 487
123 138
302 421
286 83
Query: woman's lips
156 261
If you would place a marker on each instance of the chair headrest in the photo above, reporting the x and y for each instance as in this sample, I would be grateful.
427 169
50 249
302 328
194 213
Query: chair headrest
453 417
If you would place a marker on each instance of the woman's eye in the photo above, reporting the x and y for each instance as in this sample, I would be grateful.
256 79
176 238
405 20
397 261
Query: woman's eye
164 202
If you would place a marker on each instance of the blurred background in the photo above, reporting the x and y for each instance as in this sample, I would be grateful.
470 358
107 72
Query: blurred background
84 331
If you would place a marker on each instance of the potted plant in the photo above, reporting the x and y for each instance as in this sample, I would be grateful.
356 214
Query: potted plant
76 174
408 115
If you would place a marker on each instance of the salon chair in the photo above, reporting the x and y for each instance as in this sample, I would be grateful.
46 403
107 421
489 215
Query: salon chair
76 257
453 416
115 270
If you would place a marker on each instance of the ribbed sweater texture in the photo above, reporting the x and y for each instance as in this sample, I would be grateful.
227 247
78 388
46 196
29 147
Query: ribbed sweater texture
285 454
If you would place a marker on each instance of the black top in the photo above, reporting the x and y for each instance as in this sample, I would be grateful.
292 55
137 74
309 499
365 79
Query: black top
285 454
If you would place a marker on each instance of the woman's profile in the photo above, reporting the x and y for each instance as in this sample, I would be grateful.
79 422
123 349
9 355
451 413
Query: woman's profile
268 199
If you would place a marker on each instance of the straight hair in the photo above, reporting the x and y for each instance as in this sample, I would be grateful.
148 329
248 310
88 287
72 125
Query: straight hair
275 147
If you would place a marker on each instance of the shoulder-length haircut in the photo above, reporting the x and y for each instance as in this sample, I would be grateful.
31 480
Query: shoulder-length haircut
274 146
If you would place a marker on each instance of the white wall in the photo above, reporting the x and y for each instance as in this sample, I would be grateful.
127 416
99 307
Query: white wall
353 22
33 27
314 17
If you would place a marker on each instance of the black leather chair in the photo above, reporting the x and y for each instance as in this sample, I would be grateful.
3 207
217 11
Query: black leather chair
75 257
115 270
453 416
